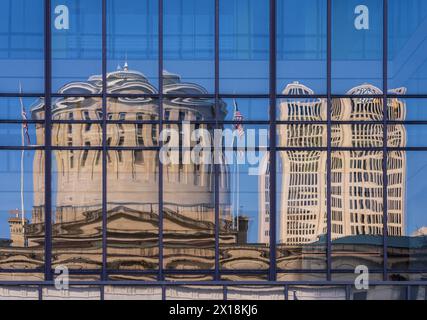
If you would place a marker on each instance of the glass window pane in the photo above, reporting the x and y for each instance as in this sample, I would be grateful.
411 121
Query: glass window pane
132 293
408 109
407 48
76 43
358 109
132 135
255 293
22 212
357 44
245 213
21 134
132 43
73 293
189 217
244 46
131 108
194 293
301 44
301 210
357 209
77 108
407 223
77 209
21 109
400 136
357 135
22 46
76 134
249 109
313 109
316 293
189 42
302 136
132 208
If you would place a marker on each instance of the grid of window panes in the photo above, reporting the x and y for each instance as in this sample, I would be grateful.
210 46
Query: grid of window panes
326 96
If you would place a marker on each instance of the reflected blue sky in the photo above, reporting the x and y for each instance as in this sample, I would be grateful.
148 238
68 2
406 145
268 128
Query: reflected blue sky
189 52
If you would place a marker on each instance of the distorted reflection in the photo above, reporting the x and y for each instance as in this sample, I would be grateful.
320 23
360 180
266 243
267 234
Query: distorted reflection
357 185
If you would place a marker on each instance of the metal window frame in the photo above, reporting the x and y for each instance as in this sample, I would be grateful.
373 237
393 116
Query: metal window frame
273 97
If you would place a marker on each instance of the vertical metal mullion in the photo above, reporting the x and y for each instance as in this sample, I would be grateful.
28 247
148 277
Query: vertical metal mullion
48 141
104 141
217 170
385 136
347 292
40 293
272 94
102 292
329 143
160 190
408 293
163 293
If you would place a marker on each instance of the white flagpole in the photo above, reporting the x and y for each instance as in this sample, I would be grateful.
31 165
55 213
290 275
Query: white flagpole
237 174
238 195
22 161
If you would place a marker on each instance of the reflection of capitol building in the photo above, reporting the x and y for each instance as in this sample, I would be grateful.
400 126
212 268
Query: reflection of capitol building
356 176
132 180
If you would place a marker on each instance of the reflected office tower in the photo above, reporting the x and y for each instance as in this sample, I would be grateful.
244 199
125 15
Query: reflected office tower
303 205
356 176
303 182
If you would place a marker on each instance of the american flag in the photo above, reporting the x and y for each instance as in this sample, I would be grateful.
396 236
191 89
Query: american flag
238 118
24 118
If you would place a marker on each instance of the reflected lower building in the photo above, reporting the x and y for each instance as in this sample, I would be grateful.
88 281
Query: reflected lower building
356 176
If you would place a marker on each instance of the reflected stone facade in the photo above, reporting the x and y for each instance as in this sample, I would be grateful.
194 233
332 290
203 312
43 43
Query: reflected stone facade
132 179
356 176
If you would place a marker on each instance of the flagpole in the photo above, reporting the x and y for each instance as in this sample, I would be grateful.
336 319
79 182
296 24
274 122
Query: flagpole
232 194
22 161
238 194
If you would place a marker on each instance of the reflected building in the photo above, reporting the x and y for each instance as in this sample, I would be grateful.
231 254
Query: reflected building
356 176
188 199
132 179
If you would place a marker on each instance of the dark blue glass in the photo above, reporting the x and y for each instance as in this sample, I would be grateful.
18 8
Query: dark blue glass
244 46
357 45
189 41
22 46
76 42
407 49
132 42
301 44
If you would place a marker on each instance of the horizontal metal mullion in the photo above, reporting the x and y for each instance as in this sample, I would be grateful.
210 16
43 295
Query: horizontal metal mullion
76 122
24 271
20 95
17 148
301 96
407 96
75 95
76 148
210 271
229 283
209 95
243 96
18 121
